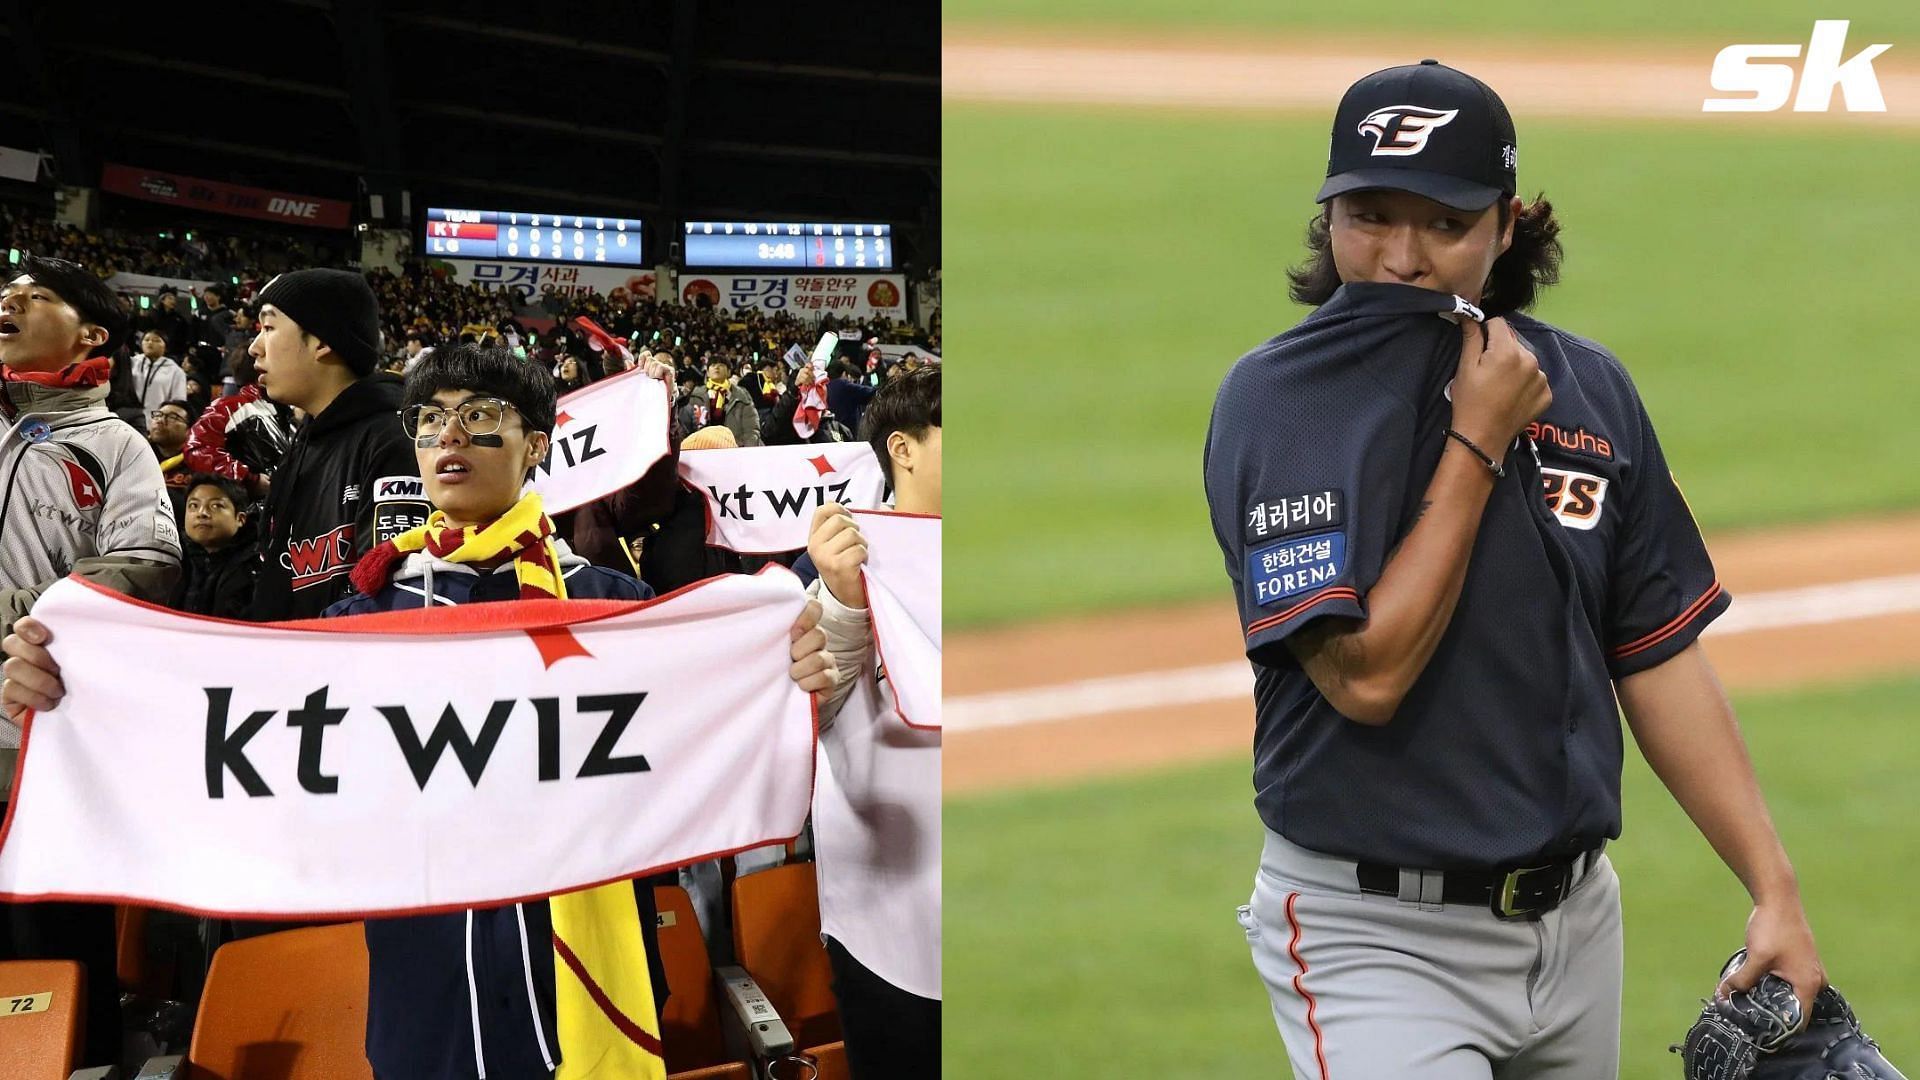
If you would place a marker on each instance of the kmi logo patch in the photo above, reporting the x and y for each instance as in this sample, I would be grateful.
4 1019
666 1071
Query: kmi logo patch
390 488
1576 498
1296 565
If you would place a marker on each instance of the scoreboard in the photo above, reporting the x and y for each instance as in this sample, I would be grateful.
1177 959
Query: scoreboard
510 234
801 245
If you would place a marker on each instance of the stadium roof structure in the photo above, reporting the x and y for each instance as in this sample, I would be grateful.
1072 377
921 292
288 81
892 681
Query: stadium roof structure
666 110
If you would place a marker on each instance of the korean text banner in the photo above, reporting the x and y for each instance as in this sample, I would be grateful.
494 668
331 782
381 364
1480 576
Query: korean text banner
175 189
823 293
760 499
531 279
903 593
606 435
410 761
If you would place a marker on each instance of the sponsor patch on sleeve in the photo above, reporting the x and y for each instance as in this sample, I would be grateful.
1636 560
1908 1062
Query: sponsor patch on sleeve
1268 518
399 489
1295 565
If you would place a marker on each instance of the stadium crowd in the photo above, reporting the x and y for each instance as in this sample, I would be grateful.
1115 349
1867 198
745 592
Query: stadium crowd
247 473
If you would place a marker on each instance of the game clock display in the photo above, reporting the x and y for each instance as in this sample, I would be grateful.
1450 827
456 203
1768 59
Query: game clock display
800 245
510 234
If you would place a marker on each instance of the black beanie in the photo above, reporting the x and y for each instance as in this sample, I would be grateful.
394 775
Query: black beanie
336 306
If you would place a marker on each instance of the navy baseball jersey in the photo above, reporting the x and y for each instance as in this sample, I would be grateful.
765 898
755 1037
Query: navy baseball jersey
1587 566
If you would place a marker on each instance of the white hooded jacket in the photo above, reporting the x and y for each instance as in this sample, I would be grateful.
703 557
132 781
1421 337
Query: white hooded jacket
80 493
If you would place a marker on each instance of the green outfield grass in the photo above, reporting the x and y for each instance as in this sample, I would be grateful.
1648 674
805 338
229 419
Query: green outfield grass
1103 268
1090 931
1755 21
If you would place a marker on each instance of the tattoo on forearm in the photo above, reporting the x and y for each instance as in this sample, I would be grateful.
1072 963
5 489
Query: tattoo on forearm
1418 513
1331 652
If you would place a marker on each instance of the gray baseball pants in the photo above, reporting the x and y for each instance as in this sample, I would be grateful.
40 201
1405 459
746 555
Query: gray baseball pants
1366 986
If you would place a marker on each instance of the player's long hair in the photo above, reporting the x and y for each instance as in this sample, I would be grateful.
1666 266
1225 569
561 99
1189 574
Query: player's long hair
1530 263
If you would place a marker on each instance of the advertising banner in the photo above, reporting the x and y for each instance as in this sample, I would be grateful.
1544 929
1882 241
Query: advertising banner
811 295
195 193
530 279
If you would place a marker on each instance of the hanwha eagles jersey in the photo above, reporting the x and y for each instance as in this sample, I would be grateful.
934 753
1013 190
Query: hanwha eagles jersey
1586 568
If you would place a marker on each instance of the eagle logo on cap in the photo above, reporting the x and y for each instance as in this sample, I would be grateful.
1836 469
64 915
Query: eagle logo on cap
1402 130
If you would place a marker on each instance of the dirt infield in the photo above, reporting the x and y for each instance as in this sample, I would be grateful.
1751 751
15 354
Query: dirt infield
1296 72
1194 635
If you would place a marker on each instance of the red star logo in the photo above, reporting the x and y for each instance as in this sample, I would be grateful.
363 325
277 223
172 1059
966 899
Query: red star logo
562 420
86 493
820 464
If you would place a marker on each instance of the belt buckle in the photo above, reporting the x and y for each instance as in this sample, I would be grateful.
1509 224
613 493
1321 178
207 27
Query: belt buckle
1509 885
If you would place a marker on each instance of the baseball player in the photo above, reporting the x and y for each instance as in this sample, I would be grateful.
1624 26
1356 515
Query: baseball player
1455 543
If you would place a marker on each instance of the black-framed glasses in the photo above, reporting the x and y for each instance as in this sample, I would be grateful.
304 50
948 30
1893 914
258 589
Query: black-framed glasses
162 414
476 416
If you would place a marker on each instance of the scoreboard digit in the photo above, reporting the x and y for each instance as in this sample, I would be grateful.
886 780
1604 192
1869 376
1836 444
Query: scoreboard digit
796 245
520 235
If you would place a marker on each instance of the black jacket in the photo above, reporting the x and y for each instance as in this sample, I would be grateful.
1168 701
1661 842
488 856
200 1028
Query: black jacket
778 429
220 583
215 326
176 326
349 481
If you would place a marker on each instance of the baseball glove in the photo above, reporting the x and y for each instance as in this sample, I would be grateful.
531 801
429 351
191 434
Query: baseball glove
1761 1035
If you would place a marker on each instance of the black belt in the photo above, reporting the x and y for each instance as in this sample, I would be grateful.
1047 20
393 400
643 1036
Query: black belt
1519 893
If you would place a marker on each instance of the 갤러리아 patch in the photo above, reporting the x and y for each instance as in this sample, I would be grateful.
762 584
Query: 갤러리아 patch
1268 518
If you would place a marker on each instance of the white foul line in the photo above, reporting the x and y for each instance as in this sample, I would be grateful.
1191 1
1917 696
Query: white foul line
1778 609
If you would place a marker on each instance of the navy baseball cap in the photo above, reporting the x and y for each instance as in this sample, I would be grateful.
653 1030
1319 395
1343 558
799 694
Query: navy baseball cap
1425 128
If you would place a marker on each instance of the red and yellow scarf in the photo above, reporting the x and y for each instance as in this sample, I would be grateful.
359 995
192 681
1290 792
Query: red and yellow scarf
603 995
524 532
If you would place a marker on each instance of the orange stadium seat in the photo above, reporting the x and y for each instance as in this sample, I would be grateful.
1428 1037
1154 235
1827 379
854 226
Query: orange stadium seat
130 944
139 970
776 938
286 1006
690 1024
42 1018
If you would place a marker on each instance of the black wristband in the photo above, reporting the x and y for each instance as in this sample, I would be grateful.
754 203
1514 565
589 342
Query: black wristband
1493 466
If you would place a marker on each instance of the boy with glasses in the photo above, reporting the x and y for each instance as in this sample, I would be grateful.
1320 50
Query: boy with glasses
478 993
